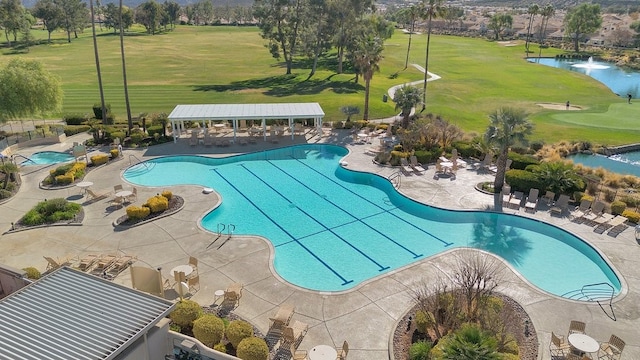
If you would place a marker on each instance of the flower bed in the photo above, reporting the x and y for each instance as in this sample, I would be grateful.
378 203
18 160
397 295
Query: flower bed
175 204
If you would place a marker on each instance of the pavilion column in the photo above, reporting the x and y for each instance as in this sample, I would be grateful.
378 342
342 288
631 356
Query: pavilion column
235 129
174 131
291 127
264 129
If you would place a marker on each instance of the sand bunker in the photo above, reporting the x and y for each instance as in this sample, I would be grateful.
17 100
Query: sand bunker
556 106
507 43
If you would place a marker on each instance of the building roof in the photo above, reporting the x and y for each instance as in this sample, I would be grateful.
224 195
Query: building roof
246 111
72 315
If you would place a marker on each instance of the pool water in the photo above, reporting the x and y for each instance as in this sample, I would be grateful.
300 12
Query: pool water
333 228
625 164
47 158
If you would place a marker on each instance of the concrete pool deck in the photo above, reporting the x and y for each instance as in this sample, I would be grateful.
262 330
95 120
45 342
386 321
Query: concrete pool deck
364 316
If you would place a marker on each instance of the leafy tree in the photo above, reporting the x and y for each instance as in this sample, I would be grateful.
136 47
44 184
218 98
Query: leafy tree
27 88
344 19
9 170
533 10
172 12
429 10
508 127
470 342
452 14
280 23
499 23
112 17
12 18
149 15
50 14
582 20
316 34
26 37
74 15
350 111
406 98
367 57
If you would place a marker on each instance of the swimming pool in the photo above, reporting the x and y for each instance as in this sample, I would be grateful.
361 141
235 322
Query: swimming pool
333 228
47 158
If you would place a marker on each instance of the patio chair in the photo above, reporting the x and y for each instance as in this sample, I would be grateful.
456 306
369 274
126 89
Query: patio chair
343 351
548 197
119 265
558 347
193 262
597 209
117 201
193 140
406 168
117 188
516 200
532 200
103 263
617 225
611 350
194 283
576 327
55 264
602 222
297 354
91 195
560 206
87 261
582 210
208 140
292 335
282 316
233 293
134 195
415 165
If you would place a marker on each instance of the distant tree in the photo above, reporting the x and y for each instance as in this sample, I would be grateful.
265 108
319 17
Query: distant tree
344 20
26 37
621 37
74 15
406 98
499 23
635 26
367 57
172 12
547 13
27 88
50 14
350 111
112 17
429 10
452 14
149 15
410 15
582 20
533 10
316 34
12 18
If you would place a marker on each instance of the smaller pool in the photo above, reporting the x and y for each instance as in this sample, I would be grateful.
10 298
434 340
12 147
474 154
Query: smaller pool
47 158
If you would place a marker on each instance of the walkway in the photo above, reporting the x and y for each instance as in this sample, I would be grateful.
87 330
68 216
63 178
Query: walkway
364 316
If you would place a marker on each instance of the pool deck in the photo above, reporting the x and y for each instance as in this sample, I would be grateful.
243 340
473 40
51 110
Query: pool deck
364 316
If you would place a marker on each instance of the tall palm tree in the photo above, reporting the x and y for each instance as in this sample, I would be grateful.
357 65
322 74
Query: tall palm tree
406 98
430 9
95 53
412 12
547 12
124 71
508 127
367 57
533 10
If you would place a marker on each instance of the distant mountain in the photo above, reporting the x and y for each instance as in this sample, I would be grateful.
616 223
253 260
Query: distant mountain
134 3
558 4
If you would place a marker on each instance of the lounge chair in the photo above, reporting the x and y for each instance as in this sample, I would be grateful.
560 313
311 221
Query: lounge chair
282 316
561 205
532 200
516 200
406 168
343 351
558 347
484 164
103 263
415 165
549 197
118 266
576 327
87 261
118 201
242 141
617 225
597 209
208 140
506 195
54 264
611 350
582 210
298 354
233 293
292 335
193 140
91 195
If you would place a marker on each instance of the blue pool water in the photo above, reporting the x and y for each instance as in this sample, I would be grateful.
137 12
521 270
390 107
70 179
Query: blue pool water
620 81
47 158
333 228
625 164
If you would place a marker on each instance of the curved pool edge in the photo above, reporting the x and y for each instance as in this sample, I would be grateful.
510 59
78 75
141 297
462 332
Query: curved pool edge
623 284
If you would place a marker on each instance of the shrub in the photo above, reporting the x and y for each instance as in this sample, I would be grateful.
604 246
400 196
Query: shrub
61 170
137 137
209 329
157 129
584 197
630 201
167 194
97 111
99 159
633 216
520 162
617 207
51 211
74 119
422 321
157 203
75 129
65 179
4 194
237 331
522 180
137 212
427 156
32 217
220 347
114 153
609 195
185 313
253 348
420 350
396 156
32 273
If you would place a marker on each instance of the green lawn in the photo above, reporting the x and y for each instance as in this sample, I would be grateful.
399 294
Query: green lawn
231 65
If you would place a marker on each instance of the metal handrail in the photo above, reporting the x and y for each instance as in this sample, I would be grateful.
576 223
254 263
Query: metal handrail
610 292
139 161
397 176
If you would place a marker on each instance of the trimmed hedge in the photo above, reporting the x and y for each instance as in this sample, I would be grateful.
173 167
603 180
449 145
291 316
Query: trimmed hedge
237 331
99 159
185 313
157 203
75 119
137 212
618 207
522 180
209 329
520 162
633 216
253 348
76 129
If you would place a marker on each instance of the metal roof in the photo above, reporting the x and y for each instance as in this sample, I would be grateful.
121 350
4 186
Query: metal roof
72 315
246 111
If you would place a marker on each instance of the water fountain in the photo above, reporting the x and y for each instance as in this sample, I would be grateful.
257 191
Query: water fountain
590 65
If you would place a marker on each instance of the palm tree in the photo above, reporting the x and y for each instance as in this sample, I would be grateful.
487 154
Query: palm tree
471 343
124 71
9 169
431 9
367 57
559 177
533 10
95 53
508 127
412 12
406 98
547 12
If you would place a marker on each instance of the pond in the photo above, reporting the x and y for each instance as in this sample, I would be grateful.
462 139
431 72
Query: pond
625 164
620 81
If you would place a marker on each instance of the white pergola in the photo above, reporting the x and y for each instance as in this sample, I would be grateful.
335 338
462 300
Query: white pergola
236 112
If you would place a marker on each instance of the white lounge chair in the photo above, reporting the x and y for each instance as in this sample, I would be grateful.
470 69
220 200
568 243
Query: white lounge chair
617 225
561 205
516 200
506 195
406 168
415 165
582 210
597 209
532 200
